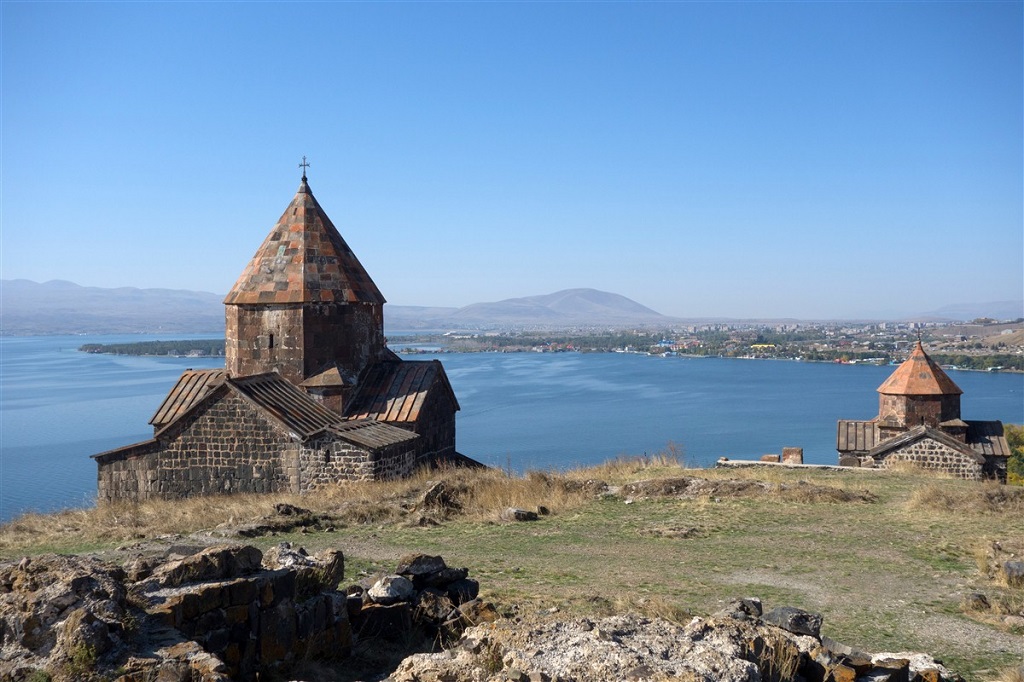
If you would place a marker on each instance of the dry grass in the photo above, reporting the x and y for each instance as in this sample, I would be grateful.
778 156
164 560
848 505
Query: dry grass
478 495
984 498
1014 674
624 469
475 495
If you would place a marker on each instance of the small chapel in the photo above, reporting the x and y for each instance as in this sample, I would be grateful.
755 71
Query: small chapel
309 395
919 423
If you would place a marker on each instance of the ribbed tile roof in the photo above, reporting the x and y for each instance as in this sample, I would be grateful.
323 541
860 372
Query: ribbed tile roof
985 438
856 436
193 385
371 434
281 399
396 391
988 438
304 260
919 375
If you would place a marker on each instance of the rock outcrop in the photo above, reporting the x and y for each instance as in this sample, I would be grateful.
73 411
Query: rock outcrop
736 645
219 613
225 612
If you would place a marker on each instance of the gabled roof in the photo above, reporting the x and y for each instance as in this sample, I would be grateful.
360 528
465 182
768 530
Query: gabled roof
396 391
920 432
193 385
278 397
919 375
275 397
304 260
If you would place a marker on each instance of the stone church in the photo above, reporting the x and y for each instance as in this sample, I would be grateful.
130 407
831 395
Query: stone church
919 423
310 394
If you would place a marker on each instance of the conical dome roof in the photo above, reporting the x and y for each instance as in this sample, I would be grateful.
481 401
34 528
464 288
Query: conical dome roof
919 375
304 260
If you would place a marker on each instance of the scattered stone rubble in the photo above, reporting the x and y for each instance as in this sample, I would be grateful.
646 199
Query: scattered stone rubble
738 644
225 612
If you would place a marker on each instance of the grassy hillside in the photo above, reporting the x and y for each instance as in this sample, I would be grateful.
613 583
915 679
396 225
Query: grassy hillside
888 558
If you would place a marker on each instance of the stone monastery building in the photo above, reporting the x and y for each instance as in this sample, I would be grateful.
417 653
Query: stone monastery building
310 393
919 422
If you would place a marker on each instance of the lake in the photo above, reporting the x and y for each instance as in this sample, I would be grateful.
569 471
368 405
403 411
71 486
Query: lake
524 410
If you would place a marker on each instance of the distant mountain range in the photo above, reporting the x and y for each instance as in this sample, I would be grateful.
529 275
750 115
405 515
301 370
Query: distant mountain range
61 307
997 310
570 307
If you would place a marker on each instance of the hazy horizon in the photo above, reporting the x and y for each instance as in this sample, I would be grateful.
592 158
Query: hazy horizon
836 160
1000 310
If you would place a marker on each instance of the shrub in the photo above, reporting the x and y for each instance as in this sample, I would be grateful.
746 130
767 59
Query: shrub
1015 464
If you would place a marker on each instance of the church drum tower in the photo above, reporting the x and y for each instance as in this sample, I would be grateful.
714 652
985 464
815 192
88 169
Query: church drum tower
305 307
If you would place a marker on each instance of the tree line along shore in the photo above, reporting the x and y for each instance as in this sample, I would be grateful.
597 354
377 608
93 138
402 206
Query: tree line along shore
987 346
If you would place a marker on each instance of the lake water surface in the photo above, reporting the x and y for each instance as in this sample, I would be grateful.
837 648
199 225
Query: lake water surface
527 410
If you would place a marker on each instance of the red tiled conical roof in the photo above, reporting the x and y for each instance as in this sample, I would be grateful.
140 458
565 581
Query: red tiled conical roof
304 260
919 375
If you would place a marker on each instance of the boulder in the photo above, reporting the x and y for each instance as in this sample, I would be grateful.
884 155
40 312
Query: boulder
795 620
440 496
446 576
391 589
517 514
976 601
285 509
741 609
464 590
433 606
420 565
219 562
1013 573
324 573
390 622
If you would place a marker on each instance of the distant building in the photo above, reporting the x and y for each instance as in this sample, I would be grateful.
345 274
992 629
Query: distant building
919 423
310 393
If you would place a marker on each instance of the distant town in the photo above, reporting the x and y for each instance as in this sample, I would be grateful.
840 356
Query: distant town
982 344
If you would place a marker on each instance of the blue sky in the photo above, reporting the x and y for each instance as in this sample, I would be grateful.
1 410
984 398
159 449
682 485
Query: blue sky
808 159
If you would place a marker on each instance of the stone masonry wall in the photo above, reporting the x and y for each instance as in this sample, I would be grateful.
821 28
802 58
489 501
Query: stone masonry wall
436 428
911 411
301 340
933 456
261 339
324 461
350 335
226 448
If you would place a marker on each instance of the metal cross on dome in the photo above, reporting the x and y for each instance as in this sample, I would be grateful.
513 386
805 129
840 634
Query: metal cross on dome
304 165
